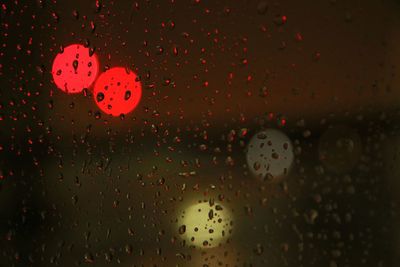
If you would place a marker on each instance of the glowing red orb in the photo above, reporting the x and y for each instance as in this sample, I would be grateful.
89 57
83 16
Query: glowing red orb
117 91
75 69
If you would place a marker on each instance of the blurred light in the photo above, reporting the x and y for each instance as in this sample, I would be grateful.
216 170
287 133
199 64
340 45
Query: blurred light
75 69
117 91
206 224
269 154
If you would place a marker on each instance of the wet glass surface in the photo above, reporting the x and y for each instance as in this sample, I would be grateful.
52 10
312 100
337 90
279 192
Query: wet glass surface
200 133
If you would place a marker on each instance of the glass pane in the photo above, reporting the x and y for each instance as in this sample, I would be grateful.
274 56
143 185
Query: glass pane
199 133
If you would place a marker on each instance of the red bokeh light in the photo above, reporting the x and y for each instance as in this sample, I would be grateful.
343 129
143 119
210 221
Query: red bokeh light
75 69
117 91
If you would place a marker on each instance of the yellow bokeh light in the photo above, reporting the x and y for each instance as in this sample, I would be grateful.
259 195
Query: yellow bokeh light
206 224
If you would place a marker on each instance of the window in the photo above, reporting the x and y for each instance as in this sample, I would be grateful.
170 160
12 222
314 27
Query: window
199 133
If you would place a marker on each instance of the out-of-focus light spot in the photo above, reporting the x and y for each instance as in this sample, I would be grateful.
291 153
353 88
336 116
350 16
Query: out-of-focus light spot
270 154
75 69
206 225
117 91
340 149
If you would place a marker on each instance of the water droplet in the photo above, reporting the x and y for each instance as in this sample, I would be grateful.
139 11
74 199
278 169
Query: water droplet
127 95
259 249
211 214
182 229
75 64
100 97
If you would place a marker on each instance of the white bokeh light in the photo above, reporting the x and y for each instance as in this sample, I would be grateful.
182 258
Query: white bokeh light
270 154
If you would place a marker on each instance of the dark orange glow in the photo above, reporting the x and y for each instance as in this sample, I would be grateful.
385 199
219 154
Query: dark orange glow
117 91
75 69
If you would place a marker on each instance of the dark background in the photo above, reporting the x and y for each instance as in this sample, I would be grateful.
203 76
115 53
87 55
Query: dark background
76 183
